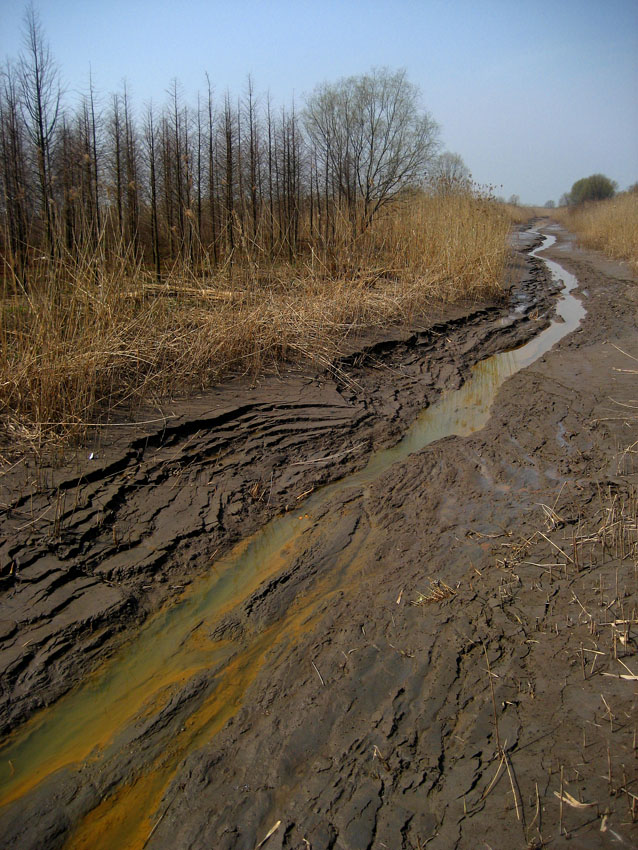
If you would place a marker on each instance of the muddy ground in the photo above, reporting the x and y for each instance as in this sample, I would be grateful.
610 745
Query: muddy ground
446 661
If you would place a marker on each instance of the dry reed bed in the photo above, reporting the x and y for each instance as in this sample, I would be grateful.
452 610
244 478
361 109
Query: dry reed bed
87 340
609 226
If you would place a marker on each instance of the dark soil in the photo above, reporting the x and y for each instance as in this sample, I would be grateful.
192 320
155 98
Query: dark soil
455 683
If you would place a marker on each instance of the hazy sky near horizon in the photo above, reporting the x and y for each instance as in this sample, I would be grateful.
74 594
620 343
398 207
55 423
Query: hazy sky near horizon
532 95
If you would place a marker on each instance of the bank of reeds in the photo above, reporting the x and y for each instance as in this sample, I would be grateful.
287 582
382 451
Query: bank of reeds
518 214
90 337
610 226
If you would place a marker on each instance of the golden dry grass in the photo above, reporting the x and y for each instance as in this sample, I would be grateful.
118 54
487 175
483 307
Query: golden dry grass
519 214
609 226
87 340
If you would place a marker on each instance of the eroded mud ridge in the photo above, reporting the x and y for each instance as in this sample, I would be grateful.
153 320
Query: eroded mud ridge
101 547
439 653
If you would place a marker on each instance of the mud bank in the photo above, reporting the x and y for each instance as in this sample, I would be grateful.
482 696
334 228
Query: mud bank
92 548
433 664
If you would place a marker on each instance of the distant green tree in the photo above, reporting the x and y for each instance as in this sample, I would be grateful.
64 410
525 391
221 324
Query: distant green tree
597 187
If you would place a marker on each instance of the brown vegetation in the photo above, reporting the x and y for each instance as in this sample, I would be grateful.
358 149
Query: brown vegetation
610 226
141 258
90 333
518 214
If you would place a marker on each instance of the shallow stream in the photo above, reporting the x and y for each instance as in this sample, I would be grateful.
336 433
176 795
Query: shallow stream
93 722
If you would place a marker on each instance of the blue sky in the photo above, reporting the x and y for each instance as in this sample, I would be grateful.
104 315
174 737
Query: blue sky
533 95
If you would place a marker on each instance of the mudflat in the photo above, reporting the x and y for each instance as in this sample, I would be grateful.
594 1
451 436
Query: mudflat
251 621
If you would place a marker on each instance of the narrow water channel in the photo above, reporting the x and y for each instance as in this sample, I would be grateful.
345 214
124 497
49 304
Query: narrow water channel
174 645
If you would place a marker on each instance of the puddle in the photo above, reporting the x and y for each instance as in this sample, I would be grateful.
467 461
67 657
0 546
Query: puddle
467 410
174 644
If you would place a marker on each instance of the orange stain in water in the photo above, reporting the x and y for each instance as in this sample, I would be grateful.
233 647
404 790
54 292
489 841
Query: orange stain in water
197 652
116 821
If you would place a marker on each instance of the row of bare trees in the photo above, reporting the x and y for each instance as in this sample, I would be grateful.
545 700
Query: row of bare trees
226 181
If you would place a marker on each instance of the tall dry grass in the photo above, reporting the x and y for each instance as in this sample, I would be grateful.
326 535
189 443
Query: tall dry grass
609 226
518 214
87 340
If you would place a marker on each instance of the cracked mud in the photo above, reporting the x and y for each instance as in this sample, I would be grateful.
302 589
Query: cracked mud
440 654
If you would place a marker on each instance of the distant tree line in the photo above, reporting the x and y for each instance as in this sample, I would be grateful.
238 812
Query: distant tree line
208 185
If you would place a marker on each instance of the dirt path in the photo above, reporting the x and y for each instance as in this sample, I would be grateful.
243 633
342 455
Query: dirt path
319 697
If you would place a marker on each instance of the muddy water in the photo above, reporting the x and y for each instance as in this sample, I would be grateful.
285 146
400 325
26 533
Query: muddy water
88 725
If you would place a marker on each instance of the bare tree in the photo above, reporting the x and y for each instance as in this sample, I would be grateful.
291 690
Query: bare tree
116 145
198 170
271 204
254 175
94 151
373 135
150 140
228 178
14 202
212 164
212 185
131 159
40 96
449 174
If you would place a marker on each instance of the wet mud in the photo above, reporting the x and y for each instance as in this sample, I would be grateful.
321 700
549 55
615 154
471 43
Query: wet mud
439 653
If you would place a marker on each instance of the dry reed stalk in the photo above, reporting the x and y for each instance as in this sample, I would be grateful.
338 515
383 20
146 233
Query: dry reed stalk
91 335
439 591
609 226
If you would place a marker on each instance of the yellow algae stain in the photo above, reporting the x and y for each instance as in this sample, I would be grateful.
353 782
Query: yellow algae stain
72 749
123 819
126 818
129 807
171 647
79 727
